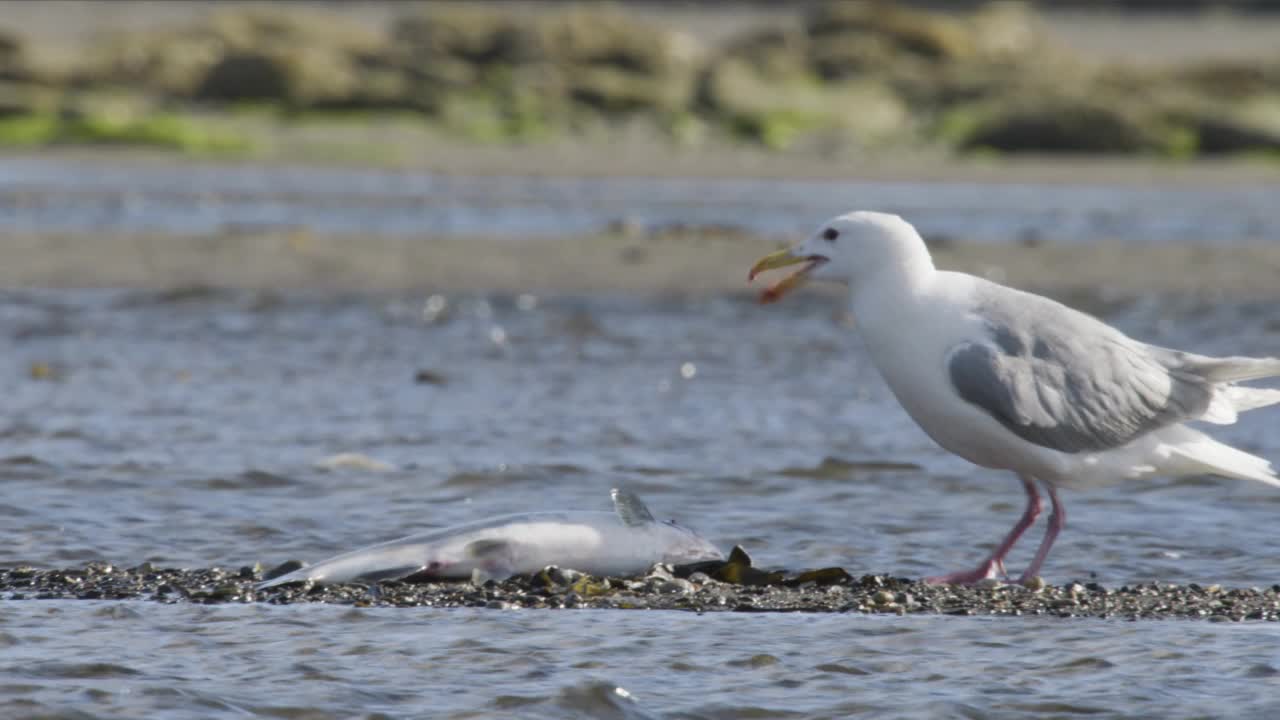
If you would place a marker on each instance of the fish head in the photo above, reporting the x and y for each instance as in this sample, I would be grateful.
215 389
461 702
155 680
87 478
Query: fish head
682 546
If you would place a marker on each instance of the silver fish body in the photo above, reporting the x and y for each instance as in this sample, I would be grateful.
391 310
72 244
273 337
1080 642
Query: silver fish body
625 542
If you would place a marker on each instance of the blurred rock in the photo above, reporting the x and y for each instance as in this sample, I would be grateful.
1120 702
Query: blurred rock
1066 124
604 60
891 28
1229 80
11 57
300 76
304 58
24 99
774 109
469 34
774 51
836 74
1216 135
246 76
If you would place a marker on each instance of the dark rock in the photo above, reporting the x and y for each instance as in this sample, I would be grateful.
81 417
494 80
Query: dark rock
1067 125
1217 136
429 377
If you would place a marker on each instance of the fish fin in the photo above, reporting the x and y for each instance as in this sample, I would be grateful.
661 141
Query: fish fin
485 549
630 508
738 556
395 573
495 559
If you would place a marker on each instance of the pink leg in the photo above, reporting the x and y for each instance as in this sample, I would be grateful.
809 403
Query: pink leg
995 563
1057 521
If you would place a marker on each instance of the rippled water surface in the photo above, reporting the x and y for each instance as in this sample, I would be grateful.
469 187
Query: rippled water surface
192 429
69 196
322 662
200 427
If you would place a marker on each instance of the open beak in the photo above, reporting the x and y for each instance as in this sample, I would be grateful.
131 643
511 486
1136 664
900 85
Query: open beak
781 259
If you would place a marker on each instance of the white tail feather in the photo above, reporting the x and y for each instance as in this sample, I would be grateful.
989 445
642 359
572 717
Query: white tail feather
1193 452
1244 399
1232 369
1230 400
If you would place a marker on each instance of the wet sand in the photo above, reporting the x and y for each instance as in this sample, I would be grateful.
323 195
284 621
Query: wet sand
687 260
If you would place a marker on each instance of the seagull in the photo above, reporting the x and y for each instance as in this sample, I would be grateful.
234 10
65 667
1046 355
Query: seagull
1014 381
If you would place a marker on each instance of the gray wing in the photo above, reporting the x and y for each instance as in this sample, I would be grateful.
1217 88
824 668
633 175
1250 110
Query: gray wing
1066 381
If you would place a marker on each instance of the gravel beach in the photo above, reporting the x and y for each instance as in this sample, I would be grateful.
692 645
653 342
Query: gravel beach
823 591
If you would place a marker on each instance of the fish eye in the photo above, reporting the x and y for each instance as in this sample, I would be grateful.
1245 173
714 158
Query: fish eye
830 234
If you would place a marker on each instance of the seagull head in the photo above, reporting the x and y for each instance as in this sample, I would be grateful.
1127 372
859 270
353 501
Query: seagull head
853 249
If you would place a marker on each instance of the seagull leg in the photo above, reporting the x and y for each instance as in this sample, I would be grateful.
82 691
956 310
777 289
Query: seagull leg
994 564
1057 521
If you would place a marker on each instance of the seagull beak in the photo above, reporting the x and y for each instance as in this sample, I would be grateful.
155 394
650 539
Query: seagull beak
781 259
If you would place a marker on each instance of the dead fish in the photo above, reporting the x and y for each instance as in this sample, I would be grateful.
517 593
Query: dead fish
624 542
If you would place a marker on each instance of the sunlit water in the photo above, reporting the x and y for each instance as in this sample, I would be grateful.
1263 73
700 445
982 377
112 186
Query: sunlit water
191 429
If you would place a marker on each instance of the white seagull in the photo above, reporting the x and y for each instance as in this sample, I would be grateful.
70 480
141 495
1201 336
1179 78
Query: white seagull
1015 381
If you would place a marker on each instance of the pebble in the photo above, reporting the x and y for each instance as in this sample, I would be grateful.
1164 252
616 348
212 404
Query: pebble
664 588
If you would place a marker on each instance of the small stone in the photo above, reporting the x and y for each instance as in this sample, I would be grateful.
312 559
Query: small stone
1034 584
561 576
429 377
883 597
677 586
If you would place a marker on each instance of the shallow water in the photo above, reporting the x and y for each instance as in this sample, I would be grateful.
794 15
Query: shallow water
191 428
323 662
65 195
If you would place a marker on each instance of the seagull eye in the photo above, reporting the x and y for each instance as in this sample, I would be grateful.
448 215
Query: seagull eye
830 234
